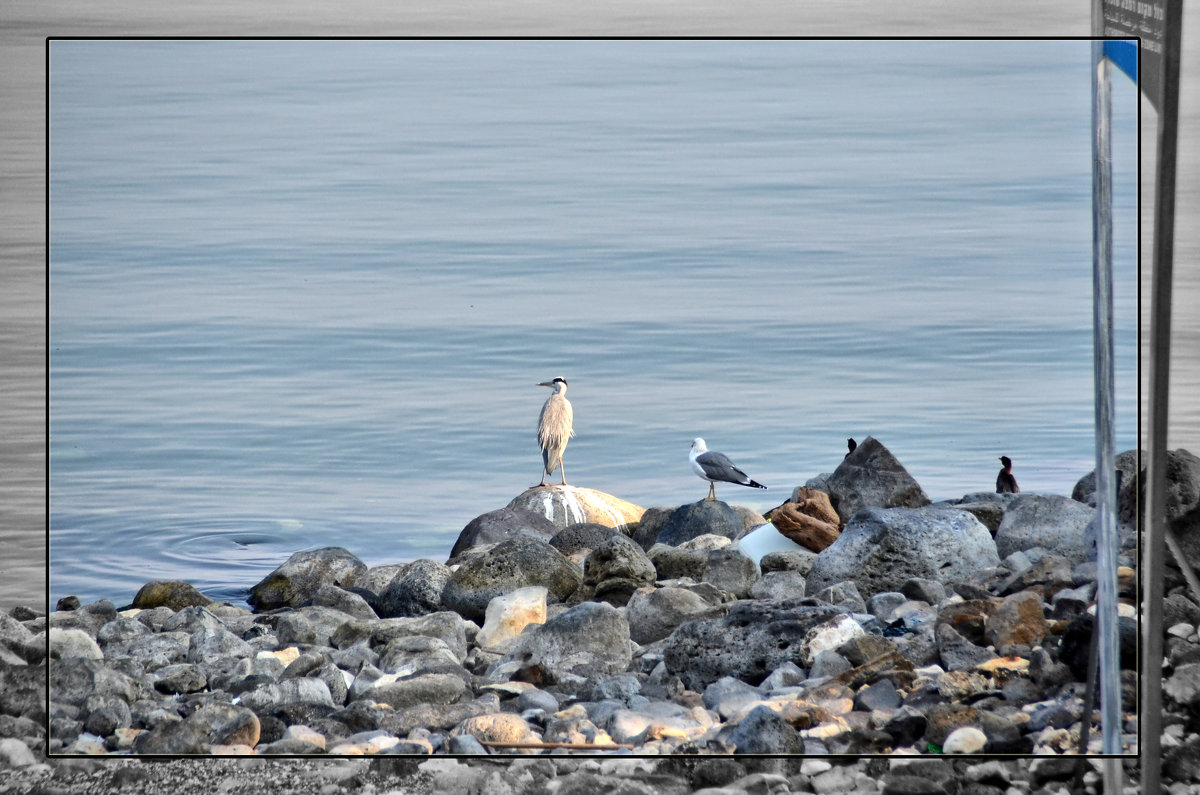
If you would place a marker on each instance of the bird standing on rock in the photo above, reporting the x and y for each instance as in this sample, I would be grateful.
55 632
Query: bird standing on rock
714 467
555 427
851 446
1005 482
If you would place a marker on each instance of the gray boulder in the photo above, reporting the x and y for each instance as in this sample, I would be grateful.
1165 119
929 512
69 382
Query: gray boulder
730 570
296 581
1055 523
226 724
309 625
445 625
748 643
674 562
273 696
616 569
881 549
591 639
422 689
173 737
517 563
651 524
1182 508
415 591
797 560
986 506
764 731
776 586
582 537
654 613
340 599
1127 495
701 518
103 715
501 525
872 477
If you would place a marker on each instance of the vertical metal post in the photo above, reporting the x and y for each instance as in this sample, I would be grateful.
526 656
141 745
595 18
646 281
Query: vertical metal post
1102 327
1153 558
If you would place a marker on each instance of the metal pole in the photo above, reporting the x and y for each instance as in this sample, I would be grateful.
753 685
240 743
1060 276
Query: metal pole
1153 556
1102 326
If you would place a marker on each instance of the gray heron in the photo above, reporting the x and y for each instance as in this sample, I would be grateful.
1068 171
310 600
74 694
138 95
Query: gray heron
716 467
555 427
1005 482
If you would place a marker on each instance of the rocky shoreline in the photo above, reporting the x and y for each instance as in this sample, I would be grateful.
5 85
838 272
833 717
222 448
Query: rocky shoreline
570 622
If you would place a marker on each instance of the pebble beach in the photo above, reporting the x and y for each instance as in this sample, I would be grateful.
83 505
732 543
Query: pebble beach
572 640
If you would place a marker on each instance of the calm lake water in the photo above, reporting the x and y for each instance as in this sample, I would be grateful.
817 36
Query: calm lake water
301 293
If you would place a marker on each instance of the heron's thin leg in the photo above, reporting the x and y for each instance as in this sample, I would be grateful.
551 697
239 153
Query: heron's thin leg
562 469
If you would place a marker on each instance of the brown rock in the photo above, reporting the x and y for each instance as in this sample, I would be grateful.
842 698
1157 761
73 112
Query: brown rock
174 594
968 618
1019 620
808 519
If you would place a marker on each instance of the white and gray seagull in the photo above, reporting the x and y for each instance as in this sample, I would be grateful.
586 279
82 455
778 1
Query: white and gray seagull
555 427
716 467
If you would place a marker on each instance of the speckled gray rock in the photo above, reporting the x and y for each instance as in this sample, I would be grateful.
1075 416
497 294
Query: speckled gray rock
445 625
427 688
872 477
730 570
752 640
672 563
416 591
1049 521
1126 463
309 625
581 537
700 518
590 639
226 724
177 738
617 568
986 506
881 549
340 599
778 585
516 563
295 581
798 560
501 525
956 652
72 680
654 613
104 714
764 731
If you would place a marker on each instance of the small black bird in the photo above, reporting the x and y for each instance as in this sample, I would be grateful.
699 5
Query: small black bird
1005 482
850 443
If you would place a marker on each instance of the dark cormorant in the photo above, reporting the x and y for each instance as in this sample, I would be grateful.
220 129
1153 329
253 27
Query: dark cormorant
1005 482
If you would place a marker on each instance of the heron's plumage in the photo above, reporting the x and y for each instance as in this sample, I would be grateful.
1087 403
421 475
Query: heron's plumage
555 426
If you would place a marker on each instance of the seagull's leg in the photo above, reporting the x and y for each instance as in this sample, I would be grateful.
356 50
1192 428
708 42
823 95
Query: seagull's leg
712 491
